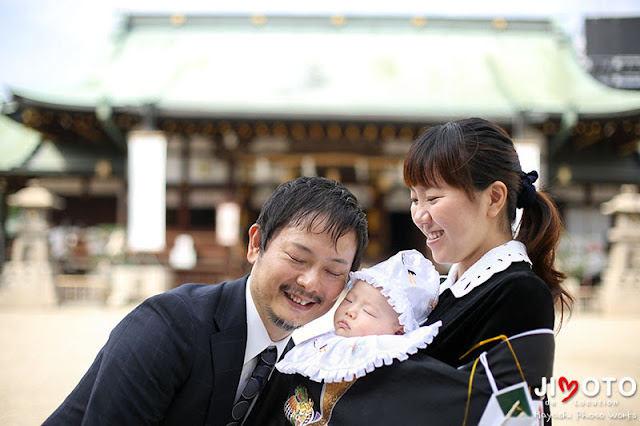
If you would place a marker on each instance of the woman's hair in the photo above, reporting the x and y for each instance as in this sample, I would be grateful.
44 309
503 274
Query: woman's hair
473 153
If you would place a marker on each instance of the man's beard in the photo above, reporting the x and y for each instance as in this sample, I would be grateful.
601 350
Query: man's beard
286 289
281 323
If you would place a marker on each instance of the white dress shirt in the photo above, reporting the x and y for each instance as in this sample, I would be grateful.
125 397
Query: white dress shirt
257 340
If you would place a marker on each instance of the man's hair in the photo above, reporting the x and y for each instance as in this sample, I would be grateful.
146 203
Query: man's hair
315 201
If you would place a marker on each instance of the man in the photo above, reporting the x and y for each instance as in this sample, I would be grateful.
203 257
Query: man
183 357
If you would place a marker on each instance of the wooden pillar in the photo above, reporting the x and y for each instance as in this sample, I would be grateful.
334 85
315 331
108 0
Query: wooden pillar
3 218
378 219
184 212
121 203
381 185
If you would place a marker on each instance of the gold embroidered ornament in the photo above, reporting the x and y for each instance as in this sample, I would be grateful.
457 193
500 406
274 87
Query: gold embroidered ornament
299 408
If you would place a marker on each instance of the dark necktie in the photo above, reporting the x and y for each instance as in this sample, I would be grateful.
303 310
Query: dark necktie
256 383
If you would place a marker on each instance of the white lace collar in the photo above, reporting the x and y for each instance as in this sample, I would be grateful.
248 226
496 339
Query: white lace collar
332 358
493 261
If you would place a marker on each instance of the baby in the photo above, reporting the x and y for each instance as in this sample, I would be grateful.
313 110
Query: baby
364 311
378 321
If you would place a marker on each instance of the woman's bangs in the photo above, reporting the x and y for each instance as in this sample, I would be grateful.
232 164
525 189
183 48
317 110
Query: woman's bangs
419 170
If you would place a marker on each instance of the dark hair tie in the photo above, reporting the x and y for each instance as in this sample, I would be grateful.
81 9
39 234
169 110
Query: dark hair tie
527 196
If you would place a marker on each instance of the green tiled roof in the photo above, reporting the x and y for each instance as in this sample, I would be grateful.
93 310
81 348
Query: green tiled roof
17 143
350 67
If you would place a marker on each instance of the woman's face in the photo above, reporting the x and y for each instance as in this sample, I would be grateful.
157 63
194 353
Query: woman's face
458 229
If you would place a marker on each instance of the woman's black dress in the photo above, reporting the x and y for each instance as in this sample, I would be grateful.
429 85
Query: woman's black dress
431 387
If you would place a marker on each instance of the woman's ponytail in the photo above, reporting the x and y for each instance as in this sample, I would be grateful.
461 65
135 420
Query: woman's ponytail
540 231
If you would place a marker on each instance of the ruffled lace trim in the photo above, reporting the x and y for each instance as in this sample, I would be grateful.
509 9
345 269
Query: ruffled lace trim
332 358
398 299
494 261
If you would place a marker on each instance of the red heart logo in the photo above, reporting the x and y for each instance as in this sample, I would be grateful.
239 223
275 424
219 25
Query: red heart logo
572 386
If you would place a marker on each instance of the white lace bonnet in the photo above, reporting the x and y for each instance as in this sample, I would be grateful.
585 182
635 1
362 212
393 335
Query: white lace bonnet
409 280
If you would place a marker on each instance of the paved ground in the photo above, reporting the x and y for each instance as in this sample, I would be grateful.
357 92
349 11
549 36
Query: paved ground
44 353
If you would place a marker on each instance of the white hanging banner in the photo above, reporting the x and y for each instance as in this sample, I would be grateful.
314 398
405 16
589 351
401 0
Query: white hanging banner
146 198
530 157
228 223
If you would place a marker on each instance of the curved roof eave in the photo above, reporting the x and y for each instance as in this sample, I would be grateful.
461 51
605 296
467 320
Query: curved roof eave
382 69
17 143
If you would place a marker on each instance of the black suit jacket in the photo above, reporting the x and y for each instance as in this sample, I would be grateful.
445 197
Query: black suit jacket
174 360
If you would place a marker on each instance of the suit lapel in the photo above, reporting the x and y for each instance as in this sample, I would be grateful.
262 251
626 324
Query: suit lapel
290 345
227 348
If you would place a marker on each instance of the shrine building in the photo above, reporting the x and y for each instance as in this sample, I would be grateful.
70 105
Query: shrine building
240 103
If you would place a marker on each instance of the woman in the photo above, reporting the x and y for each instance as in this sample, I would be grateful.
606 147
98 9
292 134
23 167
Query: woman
466 183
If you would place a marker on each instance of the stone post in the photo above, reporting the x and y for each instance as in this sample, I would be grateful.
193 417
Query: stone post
27 278
621 279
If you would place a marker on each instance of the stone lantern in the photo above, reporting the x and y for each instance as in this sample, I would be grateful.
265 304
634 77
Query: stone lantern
27 278
621 281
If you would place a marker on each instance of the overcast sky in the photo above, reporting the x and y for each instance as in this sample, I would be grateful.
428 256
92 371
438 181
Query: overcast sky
37 37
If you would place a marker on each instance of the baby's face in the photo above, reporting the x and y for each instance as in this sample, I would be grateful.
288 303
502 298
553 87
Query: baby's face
365 311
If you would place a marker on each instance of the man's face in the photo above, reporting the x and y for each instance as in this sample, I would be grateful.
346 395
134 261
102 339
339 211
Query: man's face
298 277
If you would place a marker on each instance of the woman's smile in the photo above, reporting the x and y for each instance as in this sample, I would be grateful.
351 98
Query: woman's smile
431 236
